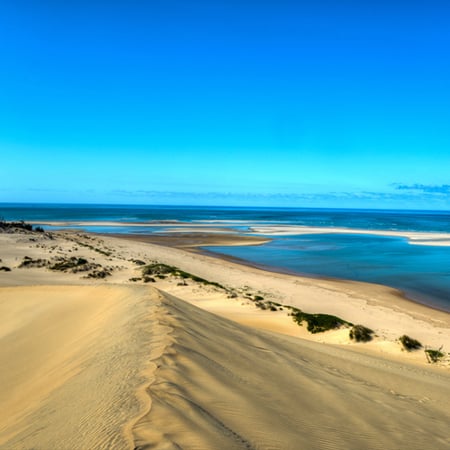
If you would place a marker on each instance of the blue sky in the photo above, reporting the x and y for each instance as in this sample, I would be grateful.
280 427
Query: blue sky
282 103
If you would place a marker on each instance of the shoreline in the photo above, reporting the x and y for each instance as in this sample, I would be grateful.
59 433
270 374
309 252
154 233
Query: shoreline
212 240
241 264
431 238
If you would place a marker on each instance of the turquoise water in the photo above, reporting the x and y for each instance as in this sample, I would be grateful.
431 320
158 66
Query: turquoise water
422 272
434 221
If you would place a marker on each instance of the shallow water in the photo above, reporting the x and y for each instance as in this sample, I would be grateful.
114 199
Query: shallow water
422 272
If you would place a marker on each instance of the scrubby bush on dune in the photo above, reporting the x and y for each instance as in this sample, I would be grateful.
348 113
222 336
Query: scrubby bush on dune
434 355
99 274
409 343
160 270
73 263
317 323
18 226
360 333
28 263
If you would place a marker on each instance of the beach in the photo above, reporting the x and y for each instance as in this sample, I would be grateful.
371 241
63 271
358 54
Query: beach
99 356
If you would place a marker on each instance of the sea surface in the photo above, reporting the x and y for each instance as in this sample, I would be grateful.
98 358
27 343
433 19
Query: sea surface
422 272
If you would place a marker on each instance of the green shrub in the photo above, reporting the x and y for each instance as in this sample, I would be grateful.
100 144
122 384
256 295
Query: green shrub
317 323
138 262
360 333
30 262
102 273
434 355
162 270
71 263
17 225
409 343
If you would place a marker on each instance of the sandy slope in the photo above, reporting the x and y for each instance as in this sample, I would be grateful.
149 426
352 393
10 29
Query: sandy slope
79 361
223 386
71 359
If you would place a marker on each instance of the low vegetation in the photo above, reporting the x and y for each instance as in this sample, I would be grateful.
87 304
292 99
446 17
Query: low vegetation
409 343
267 304
434 355
74 264
5 269
11 227
99 274
161 271
138 262
91 247
317 323
29 263
360 333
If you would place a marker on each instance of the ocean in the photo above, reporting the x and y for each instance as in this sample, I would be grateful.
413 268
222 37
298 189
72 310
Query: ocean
422 272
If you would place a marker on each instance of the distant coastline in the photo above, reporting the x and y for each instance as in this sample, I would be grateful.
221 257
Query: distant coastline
320 243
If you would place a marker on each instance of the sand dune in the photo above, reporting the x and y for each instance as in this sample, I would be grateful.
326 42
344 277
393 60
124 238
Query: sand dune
223 386
71 361
127 367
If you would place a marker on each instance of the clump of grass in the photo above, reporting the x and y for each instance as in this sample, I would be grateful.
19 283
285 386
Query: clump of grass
162 270
258 298
99 274
28 262
409 343
138 262
317 323
158 269
434 355
91 247
360 333
5 269
71 263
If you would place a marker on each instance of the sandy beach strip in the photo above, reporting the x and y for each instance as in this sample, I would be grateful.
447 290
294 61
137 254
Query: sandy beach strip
191 241
115 363
414 237
226 227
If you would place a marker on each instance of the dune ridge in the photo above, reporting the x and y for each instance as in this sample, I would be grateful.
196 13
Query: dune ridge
71 362
222 385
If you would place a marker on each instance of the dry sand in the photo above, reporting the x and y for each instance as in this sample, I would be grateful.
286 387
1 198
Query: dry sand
109 363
